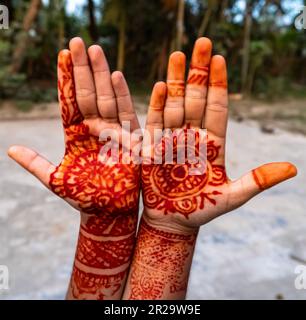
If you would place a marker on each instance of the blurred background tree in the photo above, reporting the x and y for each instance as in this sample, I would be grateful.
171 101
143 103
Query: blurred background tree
266 54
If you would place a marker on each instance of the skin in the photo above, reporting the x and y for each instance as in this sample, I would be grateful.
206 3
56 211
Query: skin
105 194
175 203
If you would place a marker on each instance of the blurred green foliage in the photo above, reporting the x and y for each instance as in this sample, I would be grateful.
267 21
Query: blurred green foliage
137 36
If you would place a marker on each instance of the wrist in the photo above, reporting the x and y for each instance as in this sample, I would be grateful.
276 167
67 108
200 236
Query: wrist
163 223
110 224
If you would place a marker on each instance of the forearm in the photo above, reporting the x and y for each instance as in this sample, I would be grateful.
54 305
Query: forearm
161 264
103 256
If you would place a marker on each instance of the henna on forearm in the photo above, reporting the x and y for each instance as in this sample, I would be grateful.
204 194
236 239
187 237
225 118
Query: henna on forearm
103 256
161 264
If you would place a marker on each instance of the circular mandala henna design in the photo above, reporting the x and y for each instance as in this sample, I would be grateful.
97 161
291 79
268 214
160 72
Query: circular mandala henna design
93 185
171 189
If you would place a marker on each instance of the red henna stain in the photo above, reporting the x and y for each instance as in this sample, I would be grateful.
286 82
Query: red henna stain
218 84
157 107
170 189
70 111
119 224
86 285
257 181
194 67
197 79
101 262
103 255
91 184
198 75
219 175
159 263
176 89
271 174
106 253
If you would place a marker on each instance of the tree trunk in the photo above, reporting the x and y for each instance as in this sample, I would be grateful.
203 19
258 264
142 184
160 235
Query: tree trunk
93 31
159 65
223 7
121 44
61 33
180 24
206 18
246 46
61 24
22 43
163 60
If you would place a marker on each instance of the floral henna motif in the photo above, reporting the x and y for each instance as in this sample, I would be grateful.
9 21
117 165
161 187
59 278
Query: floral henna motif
94 186
162 251
171 189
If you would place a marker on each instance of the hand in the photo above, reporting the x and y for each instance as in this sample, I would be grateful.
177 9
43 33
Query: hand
172 197
107 195
87 107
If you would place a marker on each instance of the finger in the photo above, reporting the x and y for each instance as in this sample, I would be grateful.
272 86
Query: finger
174 108
125 107
32 162
196 89
155 120
155 117
260 179
106 100
84 82
66 90
216 113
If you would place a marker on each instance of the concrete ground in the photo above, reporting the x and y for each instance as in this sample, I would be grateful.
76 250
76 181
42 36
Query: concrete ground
248 254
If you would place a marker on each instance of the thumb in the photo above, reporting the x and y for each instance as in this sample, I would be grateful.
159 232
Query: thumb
32 162
260 179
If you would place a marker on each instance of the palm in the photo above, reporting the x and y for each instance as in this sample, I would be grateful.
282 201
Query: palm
170 190
87 182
